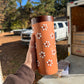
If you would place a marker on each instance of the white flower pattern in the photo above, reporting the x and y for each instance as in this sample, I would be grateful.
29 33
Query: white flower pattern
38 63
55 44
54 52
52 35
49 62
42 54
33 28
44 27
47 44
38 35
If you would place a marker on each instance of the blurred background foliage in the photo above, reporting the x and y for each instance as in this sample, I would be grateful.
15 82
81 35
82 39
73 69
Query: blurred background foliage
20 17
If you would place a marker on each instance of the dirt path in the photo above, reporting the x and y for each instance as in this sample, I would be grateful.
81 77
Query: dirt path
8 37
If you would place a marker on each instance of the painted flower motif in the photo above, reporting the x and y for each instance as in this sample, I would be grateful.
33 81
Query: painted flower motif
55 44
38 63
53 52
52 35
44 27
49 62
38 35
47 44
42 54
32 27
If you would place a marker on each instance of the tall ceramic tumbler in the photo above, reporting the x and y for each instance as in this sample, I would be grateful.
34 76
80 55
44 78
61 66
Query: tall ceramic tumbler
43 27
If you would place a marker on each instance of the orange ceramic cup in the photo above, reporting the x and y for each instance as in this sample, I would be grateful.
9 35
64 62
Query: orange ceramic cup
43 27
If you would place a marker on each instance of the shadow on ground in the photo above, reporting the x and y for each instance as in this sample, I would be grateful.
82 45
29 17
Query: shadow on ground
13 54
62 51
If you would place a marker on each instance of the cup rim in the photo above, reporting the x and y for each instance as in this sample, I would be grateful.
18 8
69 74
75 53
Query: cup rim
41 19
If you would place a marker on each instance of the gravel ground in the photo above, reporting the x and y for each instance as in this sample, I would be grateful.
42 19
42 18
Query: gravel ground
13 52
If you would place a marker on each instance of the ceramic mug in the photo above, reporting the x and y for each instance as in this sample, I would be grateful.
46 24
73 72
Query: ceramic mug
43 27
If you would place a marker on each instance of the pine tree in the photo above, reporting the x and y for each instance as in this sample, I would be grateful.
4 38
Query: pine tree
60 7
9 13
21 17
44 7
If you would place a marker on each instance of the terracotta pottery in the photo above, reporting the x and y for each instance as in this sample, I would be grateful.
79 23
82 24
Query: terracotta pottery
43 27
